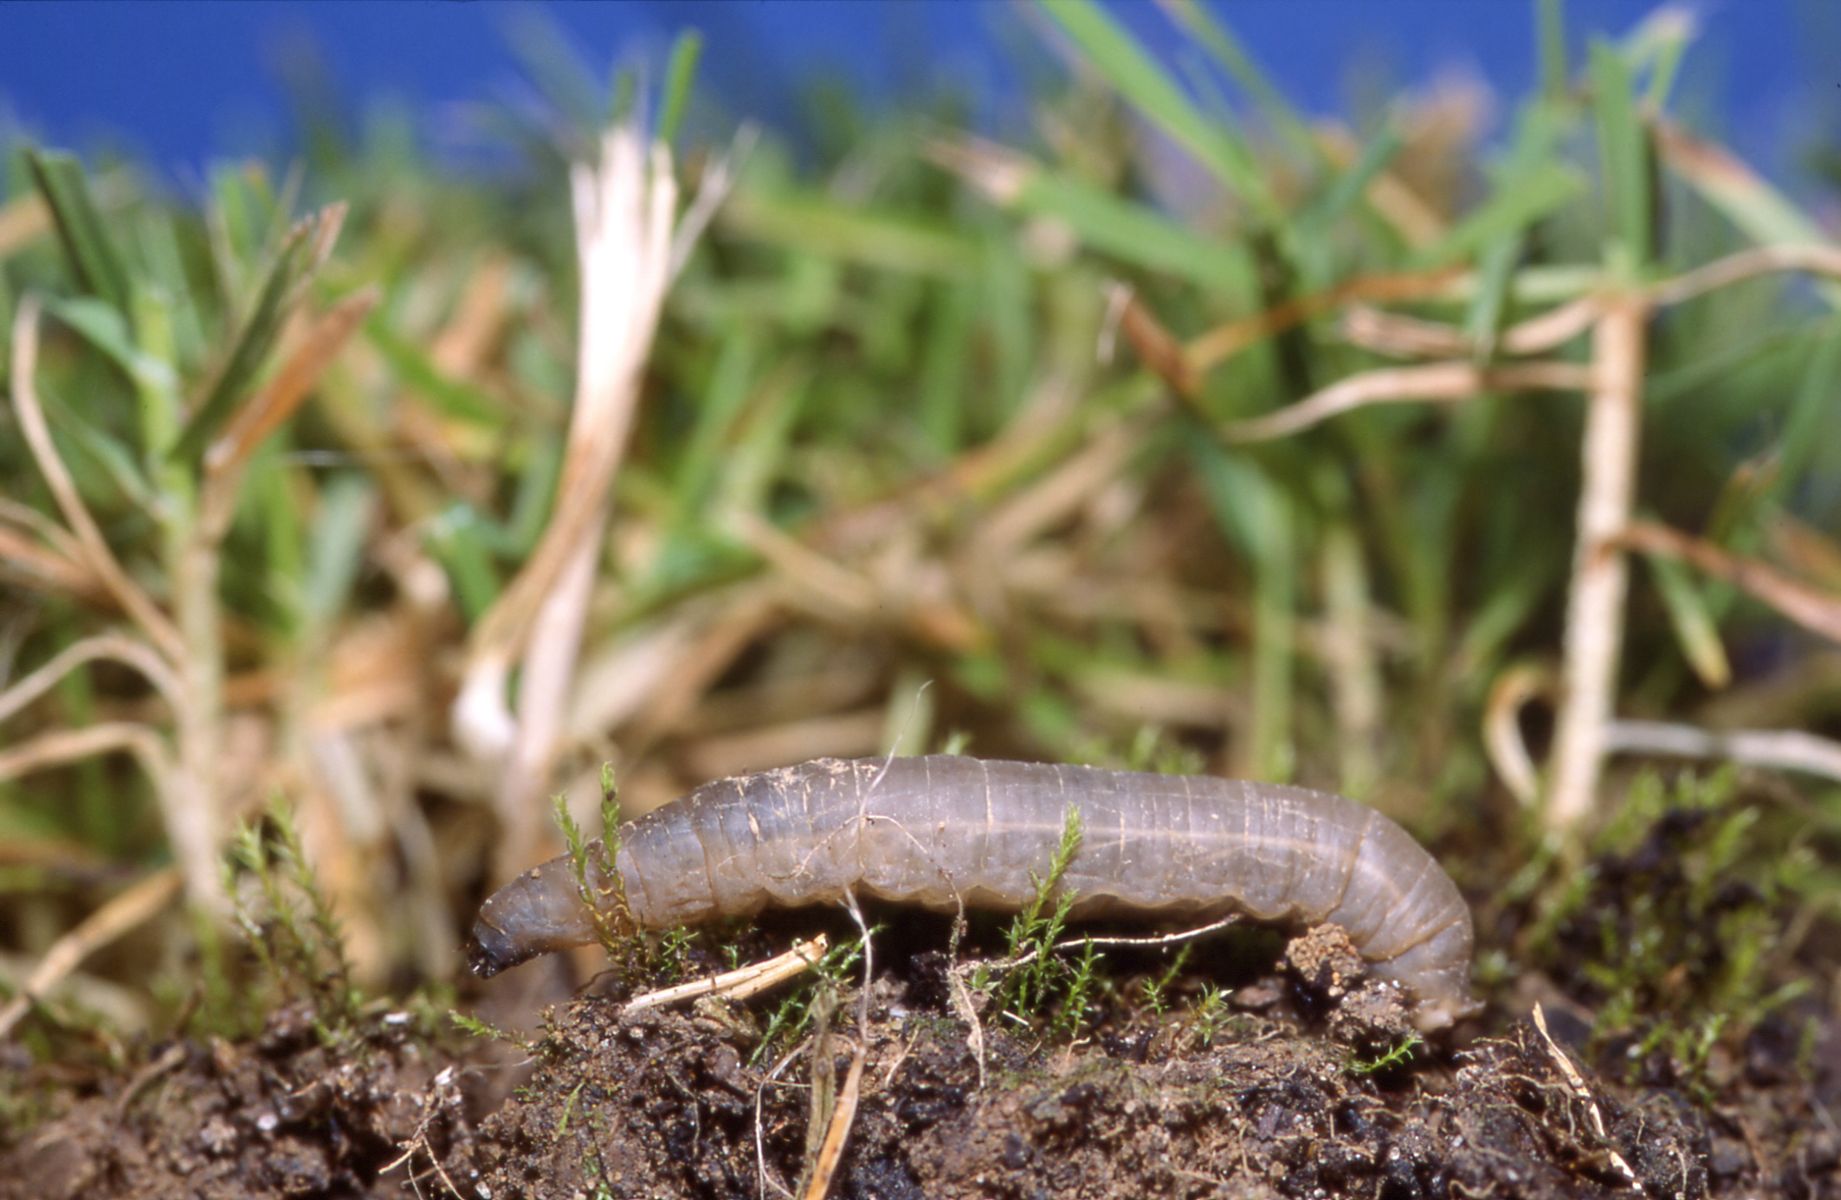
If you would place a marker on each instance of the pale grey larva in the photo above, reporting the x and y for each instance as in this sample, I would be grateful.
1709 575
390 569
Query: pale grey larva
943 831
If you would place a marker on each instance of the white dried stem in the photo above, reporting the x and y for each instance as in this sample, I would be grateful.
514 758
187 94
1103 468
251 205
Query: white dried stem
58 543
1391 333
192 839
742 982
1778 749
96 553
714 188
1595 604
624 210
1434 383
24 559
1502 740
1748 264
130 653
61 746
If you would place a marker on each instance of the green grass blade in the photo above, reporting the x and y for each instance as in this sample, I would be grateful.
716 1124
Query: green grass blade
243 215
679 76
1515 205
6 323
1255 516
1692 622
340 527
1811 426
166 274
271 501
461 542
1529 185
530 509
412 364
1138 235
1550 37
1225 48
1759 210
93 256
1503 613
1335 202
1009 323
1489 306
1146 87
818 224
105 327
733 376
1665 37
550 61
281 288
623 96
944 387
102 449
1667 385
758 459
1623 158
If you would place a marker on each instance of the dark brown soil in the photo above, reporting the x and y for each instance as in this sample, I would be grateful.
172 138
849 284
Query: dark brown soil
1251 1068
666 1103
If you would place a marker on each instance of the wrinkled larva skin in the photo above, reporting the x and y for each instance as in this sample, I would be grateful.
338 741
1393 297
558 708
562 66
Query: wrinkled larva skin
943 831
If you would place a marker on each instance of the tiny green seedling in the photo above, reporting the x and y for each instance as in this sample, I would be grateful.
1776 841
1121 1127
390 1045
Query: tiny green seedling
1039 975
1156 990
600 857
293 932
1211 1015
1076 997
1396 1055
487 1031
562 1123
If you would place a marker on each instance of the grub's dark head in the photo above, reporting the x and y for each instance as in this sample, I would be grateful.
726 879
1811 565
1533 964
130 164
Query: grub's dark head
491 950
539 912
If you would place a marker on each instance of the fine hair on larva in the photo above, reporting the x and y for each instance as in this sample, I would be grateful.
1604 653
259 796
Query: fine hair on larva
948 832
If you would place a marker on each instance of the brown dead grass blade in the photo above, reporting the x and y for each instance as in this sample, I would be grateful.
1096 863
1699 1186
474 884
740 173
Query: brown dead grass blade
326 335
1813 609
122 913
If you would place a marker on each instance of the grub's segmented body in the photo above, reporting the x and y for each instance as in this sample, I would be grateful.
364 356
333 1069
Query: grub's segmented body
940 831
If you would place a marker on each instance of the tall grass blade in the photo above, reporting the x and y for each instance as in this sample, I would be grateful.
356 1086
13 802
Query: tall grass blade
1153 93
301 255
1550 37
1692 621
93 255
1221 44
1623 158
679 76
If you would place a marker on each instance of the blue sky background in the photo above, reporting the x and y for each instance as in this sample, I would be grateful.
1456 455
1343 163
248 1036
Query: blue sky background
183 81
